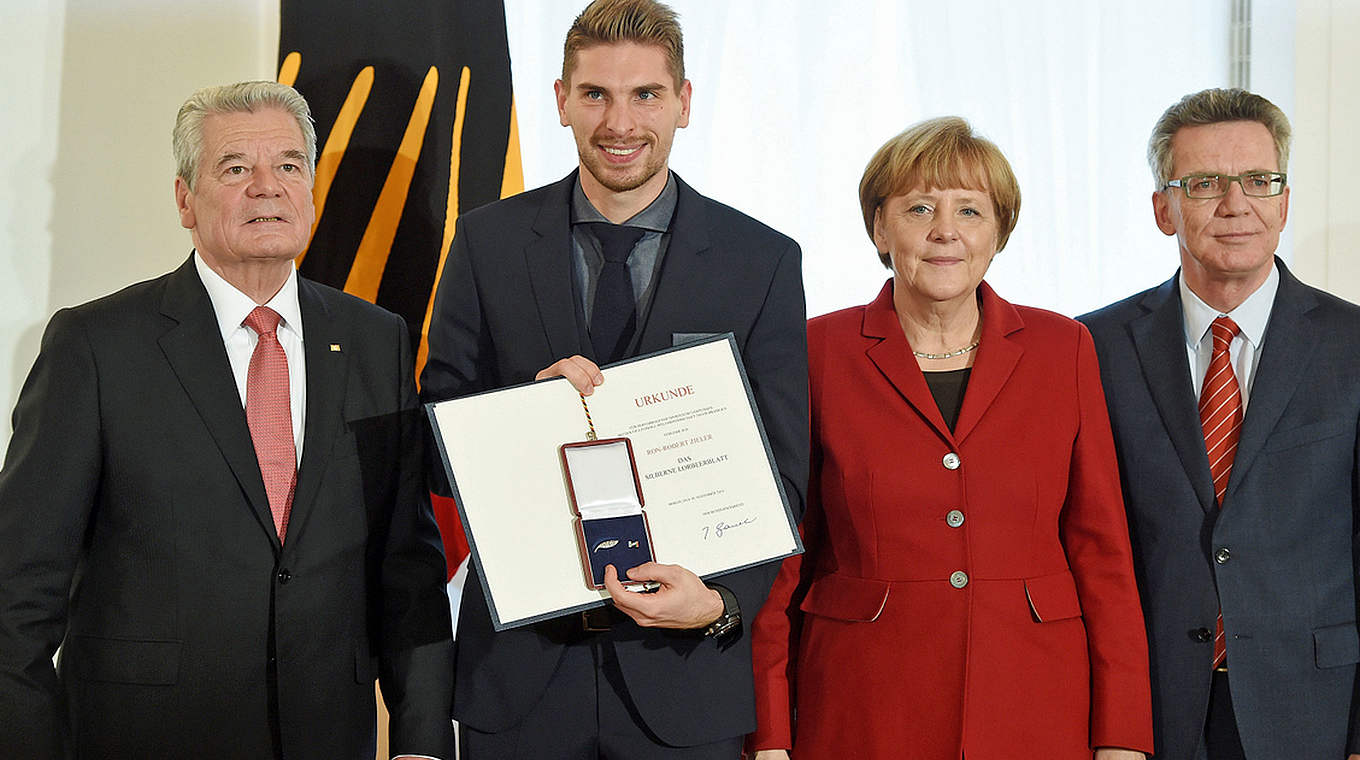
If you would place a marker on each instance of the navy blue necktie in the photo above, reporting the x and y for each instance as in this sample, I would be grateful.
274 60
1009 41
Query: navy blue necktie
613 317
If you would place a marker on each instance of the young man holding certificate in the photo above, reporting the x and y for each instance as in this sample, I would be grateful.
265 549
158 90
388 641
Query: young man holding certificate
618 259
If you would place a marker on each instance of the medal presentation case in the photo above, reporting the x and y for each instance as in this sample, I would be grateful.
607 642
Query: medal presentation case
606 496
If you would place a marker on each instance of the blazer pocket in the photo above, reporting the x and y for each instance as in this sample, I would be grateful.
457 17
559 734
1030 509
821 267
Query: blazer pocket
1306 434
1336 645
153 663
1053 597
680 339
844 597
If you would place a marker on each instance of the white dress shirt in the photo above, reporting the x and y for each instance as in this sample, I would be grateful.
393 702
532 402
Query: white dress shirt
1252 316
232 307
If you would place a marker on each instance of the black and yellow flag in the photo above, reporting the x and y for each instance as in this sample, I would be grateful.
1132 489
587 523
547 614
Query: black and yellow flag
415 120
415 123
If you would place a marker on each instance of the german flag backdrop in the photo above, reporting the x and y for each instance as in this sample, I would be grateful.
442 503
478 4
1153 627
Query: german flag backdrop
415 123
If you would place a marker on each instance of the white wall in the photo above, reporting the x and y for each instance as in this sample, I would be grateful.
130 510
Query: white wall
1325 165
85 115
792 98
86 204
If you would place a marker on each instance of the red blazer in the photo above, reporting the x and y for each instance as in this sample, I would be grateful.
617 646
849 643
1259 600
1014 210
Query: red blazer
968 592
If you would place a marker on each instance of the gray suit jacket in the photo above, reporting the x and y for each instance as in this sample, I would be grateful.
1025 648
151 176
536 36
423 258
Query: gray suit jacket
1280 557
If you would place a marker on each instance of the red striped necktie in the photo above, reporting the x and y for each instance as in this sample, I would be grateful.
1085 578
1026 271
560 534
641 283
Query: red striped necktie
270 417
1220 416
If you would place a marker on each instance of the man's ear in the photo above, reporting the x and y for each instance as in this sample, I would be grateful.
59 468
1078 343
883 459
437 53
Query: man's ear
560 90
1163 213
184 201
686 92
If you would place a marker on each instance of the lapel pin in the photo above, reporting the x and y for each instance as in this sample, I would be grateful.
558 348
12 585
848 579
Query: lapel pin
335 347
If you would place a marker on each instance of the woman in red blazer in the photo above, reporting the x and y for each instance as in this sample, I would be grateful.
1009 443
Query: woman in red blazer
968 589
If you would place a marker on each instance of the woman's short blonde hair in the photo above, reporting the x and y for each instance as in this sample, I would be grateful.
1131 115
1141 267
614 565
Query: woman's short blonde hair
941 153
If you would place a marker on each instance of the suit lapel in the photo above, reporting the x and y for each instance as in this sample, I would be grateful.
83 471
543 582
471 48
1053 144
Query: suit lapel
327 379
194 350
682 274
1289 344
892 356
1159 338
997 356
550 277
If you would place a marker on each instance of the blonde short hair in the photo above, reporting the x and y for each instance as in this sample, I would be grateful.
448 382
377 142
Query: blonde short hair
941 153
645 22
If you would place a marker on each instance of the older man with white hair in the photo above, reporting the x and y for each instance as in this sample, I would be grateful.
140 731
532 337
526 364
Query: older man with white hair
213 500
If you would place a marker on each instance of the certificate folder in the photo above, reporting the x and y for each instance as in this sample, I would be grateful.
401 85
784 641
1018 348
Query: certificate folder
709 489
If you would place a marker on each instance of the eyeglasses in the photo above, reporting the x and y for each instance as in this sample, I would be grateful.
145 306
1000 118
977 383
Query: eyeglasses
1255 184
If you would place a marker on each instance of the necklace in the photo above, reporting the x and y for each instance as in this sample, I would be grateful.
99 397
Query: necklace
948 354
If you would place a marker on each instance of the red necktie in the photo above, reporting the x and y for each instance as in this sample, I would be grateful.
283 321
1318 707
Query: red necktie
1220 416
270 417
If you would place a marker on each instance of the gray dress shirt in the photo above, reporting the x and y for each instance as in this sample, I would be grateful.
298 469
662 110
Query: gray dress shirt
643 264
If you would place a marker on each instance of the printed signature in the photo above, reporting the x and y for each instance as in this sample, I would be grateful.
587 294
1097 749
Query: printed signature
720 528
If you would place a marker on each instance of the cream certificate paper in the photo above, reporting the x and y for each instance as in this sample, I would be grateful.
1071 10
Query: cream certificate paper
710 486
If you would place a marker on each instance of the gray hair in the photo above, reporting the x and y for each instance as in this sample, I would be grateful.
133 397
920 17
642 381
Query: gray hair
1214 106
242 97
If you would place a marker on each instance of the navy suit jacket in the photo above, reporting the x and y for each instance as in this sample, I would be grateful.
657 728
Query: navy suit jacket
135 532
506 309
1280 557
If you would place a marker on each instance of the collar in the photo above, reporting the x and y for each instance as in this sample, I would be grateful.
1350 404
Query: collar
1251 315
999 316
656 217
232 306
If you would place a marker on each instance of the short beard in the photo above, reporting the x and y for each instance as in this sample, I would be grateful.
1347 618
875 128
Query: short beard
616 183
628 183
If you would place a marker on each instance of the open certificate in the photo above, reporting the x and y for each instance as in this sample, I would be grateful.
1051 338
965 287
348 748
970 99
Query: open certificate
709 484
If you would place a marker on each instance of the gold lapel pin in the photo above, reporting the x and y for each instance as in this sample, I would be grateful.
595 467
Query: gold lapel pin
335 347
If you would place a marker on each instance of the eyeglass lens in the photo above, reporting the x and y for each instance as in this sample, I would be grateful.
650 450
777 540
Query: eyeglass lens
1260 184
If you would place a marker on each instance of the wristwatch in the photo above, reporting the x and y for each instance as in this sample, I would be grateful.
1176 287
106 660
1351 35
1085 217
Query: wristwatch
730 619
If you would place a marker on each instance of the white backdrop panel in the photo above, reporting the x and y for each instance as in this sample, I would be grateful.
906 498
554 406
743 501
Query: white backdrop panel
791 98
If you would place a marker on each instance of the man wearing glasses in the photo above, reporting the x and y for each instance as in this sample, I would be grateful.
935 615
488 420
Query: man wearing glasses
1234 395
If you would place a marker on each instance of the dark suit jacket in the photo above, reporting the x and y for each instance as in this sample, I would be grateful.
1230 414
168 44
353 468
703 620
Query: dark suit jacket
867 638
136 534
1287 579
506 309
